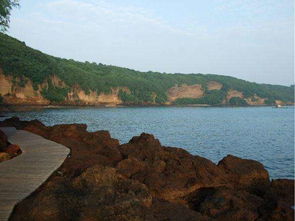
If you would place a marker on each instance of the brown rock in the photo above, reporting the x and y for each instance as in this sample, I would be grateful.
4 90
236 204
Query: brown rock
168 172
246 173
276 211
99 177
278 201
4 156
142 180
283 190
130 166
99 193
225 204
164 210
36 127
13 150
13 122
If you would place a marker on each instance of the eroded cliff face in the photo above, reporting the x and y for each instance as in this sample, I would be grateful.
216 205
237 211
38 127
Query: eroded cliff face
234 93
78 96
253 100
185 91
13 93
21 91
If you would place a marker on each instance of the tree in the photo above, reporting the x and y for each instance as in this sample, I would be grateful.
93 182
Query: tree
5 8
237 101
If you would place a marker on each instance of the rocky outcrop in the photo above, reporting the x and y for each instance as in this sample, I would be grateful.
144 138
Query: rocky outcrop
246 174
7 150
169 173
143 180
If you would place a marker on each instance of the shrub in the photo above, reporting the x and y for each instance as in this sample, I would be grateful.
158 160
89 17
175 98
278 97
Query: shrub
237 101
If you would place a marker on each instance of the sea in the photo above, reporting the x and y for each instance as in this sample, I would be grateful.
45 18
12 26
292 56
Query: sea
265 134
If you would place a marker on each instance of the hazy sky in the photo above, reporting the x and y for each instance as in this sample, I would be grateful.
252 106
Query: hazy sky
248 39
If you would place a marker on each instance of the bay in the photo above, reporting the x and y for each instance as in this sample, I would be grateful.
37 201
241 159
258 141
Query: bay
265 134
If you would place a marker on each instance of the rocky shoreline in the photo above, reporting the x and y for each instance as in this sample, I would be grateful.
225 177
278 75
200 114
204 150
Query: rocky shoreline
143 180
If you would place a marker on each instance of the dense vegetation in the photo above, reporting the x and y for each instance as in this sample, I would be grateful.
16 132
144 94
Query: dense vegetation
18 60
214 97
237 101
54 94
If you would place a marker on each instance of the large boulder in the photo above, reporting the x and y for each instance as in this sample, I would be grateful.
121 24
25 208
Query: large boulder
168 172
246 174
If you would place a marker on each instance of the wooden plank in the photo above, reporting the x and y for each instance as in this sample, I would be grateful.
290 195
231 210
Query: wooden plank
22 175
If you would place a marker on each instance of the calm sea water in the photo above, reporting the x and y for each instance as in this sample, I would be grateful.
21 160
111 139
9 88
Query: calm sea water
265 134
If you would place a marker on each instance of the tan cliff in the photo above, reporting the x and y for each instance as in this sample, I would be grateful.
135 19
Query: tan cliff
12 93
185 91
77 95
234 93
21 91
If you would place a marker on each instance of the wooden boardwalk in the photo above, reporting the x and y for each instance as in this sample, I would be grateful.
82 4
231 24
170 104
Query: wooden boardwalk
22 175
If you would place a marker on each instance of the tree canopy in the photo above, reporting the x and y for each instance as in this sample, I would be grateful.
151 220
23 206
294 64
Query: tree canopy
5 9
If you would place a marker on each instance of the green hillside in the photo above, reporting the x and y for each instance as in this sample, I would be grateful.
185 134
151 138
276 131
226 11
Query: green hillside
18 60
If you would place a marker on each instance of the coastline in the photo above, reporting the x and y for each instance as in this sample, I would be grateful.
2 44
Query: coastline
142 179
24 107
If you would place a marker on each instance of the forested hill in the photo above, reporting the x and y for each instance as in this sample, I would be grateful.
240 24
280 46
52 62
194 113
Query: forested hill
28 76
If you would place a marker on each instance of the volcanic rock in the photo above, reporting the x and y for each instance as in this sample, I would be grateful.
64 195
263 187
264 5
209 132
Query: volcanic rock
143 180
246 173
224 203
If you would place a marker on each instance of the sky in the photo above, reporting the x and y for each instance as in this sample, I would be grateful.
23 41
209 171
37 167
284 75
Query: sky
247 39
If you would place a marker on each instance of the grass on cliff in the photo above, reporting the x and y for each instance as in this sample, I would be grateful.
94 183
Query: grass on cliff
18 60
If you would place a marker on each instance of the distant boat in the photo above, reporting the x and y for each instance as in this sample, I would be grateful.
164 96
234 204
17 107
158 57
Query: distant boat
278 105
